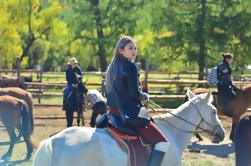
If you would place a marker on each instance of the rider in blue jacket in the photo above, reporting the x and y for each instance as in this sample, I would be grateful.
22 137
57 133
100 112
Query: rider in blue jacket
74 77
225 84
124 98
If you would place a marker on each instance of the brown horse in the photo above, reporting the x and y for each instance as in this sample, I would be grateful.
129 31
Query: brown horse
243 142
22 95
236 107
15 114
13 81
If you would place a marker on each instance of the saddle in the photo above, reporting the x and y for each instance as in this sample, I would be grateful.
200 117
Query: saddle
127 139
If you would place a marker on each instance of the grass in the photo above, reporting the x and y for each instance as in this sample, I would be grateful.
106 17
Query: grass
198 163
168 89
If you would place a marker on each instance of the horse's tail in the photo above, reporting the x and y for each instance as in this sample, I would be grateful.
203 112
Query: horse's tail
26 123
30 105
44 154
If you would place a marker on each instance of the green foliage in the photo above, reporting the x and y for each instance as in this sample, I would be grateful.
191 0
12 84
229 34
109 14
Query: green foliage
166 32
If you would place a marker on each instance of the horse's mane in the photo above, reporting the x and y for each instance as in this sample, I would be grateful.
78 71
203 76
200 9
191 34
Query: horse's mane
165 115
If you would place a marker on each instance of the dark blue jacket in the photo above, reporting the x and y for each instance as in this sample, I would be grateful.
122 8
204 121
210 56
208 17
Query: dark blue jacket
224 74
70 75
126 95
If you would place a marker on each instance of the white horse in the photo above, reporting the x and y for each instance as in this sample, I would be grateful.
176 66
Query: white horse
82 146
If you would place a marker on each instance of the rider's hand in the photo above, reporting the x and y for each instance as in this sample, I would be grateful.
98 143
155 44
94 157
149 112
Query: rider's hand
74 85
144 97
79 77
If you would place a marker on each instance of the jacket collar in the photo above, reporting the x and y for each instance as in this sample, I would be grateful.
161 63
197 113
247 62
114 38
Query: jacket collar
123 58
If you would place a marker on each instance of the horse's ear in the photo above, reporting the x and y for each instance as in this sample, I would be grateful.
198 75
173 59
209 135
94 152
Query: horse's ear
208 96
190 94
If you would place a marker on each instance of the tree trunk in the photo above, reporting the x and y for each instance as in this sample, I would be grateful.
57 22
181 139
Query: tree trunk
201 34
100 34
27 47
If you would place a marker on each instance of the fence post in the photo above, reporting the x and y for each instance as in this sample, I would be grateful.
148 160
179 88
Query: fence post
145 83
40 86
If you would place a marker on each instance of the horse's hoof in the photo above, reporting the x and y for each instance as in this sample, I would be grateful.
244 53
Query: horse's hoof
17 140
28 157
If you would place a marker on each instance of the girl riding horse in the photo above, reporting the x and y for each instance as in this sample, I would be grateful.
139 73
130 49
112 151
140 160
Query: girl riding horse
225 84
124 97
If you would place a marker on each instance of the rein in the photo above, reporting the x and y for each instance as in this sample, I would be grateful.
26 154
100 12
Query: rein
192 124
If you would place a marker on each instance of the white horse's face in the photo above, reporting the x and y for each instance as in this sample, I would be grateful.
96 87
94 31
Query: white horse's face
210 121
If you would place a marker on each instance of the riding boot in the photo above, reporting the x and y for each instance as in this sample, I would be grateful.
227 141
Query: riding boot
156 158
158 153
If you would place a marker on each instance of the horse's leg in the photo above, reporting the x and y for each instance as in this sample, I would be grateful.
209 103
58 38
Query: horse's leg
82 118
12 136
198 136
78 116
69 117
29 147
79 108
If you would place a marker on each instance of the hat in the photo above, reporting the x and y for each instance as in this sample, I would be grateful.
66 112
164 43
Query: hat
72 61
227 55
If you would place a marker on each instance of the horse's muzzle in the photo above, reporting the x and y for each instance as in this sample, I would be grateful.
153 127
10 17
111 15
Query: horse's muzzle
219 135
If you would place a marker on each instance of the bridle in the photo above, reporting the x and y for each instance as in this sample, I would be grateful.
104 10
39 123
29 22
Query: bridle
197 126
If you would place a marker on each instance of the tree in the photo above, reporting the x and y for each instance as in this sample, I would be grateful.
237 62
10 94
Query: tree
100 34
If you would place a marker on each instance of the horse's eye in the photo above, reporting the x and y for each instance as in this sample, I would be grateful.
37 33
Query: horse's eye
214 112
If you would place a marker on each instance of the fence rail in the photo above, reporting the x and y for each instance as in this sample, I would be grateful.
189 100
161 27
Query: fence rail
173 85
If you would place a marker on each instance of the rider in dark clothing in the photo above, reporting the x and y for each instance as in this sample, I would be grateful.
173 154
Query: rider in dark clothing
74 77
225 84
124 96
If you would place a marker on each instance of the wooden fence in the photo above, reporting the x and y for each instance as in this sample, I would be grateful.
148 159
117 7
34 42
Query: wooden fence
159 88
40 90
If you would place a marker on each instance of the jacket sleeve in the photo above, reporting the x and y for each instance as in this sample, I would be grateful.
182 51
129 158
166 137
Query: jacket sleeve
132 82
68 76
80 72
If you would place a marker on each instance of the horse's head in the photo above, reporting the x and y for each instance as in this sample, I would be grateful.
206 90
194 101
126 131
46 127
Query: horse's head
210 122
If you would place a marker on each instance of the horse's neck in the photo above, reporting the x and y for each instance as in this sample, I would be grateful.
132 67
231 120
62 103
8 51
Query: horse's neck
181 138
247 96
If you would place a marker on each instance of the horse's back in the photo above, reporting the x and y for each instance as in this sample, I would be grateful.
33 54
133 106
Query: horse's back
15 92
85 146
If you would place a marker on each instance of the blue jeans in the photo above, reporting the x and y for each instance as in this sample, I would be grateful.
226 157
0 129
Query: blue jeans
67 90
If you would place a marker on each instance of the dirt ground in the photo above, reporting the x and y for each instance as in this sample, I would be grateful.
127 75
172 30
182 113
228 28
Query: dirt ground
197 154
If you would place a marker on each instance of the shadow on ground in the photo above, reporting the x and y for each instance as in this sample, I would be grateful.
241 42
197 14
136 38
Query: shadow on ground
11 163
220 150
